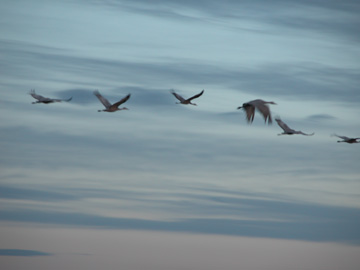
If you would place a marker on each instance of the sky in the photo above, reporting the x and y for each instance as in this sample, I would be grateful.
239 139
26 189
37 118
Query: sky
170 186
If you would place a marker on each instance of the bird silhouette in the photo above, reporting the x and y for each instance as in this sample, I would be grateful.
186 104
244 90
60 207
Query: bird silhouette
186 101
45 100
261 106
111 107
347 139
289 131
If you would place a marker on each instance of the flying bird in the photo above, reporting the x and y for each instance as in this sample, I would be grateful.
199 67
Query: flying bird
347 139
289 131
261 106
45 100
186 101
111 107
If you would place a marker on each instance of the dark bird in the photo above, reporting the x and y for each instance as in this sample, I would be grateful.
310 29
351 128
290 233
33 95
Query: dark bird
186 101
347 139
111 107
289 131
45 100
260 105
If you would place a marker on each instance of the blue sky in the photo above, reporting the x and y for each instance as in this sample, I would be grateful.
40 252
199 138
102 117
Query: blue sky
173 173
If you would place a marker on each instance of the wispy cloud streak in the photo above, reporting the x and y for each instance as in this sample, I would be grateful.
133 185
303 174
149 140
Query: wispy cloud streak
289 80
23 253
304 229
246 214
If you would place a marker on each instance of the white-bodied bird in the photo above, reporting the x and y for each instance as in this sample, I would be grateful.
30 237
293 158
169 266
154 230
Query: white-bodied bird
289 131
45 100
347 139
111 107
186 101
261 106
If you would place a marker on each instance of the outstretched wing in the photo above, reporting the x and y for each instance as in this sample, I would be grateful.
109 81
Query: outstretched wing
196 96
67 100
265 111
123 100
60 100
300 132
103 100
250 113
341 137
284 126
180 98
36 96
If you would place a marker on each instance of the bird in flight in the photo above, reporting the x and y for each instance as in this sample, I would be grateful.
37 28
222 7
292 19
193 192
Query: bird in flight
186 101
261 106
289 131
347 139
45 100
111 107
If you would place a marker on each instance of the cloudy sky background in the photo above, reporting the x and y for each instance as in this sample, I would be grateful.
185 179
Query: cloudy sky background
167 186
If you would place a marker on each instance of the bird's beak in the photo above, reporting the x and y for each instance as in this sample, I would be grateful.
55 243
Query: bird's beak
239 108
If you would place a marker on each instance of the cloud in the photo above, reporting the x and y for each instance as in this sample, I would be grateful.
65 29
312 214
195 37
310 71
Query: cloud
9 192
330 17
321 117
98 169
323 228
291 80
23 253
309 81
202 211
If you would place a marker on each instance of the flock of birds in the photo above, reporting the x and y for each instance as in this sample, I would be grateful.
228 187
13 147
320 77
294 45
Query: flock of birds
249 108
